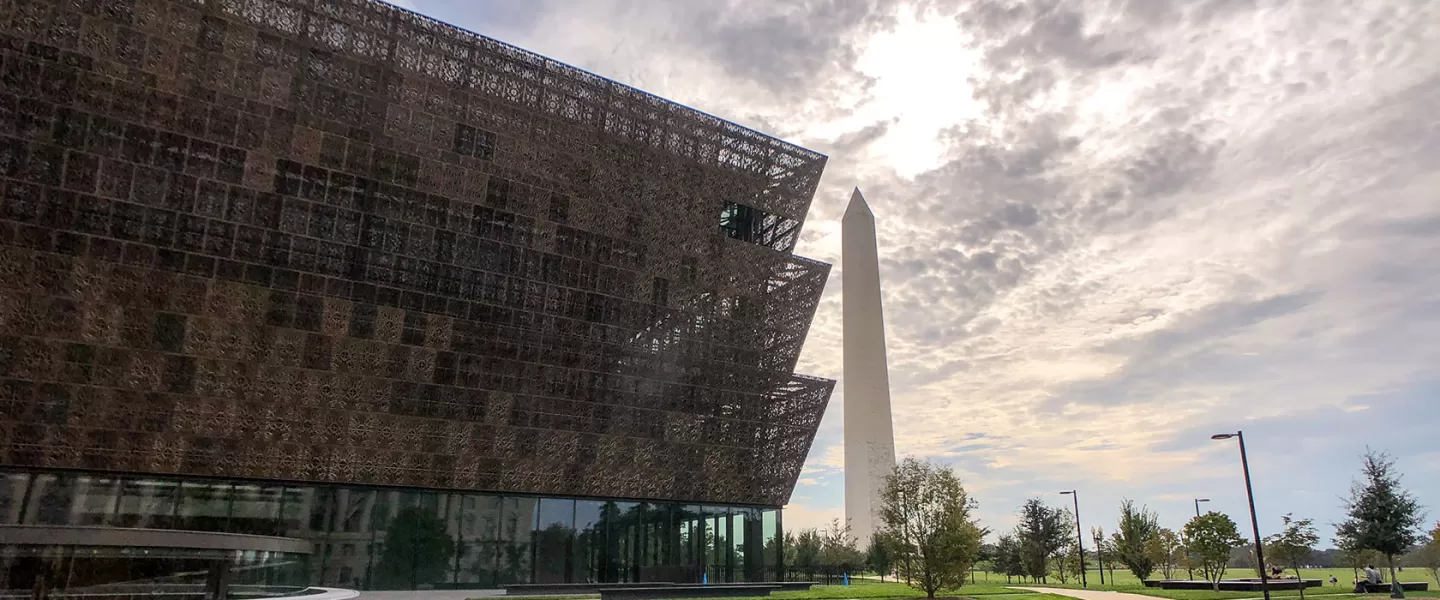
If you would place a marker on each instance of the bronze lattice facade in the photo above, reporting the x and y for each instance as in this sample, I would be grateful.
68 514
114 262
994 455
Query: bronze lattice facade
336 241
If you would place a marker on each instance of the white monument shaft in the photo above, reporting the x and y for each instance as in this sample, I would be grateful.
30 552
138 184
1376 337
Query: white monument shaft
869 435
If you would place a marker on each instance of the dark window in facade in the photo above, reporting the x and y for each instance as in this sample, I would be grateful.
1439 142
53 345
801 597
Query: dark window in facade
740 222
688 270
473 141
559 208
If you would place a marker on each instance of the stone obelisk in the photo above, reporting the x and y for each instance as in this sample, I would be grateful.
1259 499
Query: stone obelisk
869 435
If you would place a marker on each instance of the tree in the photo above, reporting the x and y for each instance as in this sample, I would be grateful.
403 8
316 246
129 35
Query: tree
1212 537
838 549
808 546
1138 526
1352 555
417 550
928 515
1065 565
1429 555
1166 551
1382 516
880 556
1008 557
1294 544
1043 531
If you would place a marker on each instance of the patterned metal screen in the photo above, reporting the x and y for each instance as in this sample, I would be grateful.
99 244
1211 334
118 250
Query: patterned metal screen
333 240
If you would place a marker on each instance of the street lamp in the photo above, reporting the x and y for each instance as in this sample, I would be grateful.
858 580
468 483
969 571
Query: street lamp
1197 505
1079 535
1254 522
1100 556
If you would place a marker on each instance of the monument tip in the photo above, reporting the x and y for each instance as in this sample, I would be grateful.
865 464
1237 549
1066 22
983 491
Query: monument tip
858 204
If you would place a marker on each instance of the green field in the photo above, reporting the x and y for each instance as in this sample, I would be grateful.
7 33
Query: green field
990 586
1124 581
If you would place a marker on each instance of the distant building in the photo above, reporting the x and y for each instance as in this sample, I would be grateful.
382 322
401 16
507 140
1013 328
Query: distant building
331 293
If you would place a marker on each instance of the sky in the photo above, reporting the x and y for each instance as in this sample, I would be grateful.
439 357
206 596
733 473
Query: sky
1107 228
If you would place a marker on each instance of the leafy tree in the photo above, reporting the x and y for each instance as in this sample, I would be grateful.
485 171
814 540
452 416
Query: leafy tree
1382 516
928 515
1429 554
838 549
417 550
1043 531
1166 551
1352 555
1065 565
880 555
808 546
1138 527
1008 558
1294 544
1112 554
1212 537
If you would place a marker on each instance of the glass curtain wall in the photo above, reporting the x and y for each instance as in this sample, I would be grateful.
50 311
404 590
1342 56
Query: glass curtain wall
369 538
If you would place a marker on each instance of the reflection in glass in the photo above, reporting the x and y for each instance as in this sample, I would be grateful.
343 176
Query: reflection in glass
554 529
147 503
590 529
50 499
12 496
368 538
416 548
517 518
204 506
94 500
255 509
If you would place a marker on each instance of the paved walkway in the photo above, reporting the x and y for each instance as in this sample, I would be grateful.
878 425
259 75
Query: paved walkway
431 595
1081 594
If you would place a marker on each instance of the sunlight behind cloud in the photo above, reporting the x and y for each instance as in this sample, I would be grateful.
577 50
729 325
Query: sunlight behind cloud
921 71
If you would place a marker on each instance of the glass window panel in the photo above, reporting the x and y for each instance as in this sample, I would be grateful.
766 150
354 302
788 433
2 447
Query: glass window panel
588 566
94 500
147 503
204 506
416 547
737 542
554 529
295 510
517 518
479 531
323 508
12 496
255 509
721 552
354 506
51 498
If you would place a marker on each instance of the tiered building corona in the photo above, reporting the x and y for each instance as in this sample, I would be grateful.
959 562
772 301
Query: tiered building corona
339 277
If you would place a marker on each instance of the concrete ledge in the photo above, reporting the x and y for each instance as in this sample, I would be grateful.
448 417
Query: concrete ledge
120 537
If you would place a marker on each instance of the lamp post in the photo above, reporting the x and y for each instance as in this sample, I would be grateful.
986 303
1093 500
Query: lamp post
1100 555
1079 535
1254 522
1197 505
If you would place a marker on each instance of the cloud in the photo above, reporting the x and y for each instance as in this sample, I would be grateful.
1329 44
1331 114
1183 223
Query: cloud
1131 224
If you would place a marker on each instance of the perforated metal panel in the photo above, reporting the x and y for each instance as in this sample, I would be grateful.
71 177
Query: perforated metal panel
338 241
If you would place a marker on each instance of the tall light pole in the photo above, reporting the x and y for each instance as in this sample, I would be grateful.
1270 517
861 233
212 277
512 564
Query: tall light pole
1100 554
1079 535
1197 505
1254 522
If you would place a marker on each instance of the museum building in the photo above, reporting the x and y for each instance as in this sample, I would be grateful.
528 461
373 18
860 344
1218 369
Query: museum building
329 293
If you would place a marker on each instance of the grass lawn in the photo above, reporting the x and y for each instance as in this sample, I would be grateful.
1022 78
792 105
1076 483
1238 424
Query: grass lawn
863 589
1124 581
991 585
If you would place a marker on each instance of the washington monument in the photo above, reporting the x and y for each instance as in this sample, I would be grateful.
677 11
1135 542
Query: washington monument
869 435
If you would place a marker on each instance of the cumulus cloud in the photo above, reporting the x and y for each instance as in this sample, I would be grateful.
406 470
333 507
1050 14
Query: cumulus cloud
1148 220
